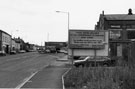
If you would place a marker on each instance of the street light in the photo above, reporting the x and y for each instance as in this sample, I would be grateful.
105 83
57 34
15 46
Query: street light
65 13
68 30
68 20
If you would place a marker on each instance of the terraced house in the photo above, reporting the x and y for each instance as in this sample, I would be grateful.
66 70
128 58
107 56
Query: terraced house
5 41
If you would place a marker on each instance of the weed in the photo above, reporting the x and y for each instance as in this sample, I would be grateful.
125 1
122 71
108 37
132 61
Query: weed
101 78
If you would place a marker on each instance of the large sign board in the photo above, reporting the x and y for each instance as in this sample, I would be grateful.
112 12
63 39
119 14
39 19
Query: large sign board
90 51
86 39
56 44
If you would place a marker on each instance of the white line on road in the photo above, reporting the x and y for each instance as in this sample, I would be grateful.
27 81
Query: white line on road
25 80
28 78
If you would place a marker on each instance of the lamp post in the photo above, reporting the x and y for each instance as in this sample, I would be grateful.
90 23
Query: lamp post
65 13
68 20
68 32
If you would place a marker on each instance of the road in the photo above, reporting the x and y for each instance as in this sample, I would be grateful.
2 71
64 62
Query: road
15 69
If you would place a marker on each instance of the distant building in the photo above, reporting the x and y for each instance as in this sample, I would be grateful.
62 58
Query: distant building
5 41
58 45
30 47
33 47
121 28
21 43
15 46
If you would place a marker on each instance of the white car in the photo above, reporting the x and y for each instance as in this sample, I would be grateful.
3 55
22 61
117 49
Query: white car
47 50
2 53
64 51
13 52
22 51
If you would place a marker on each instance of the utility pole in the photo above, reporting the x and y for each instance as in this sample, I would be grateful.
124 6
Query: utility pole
47 37
68 31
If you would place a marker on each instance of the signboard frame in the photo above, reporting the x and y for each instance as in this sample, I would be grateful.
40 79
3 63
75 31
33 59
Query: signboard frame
89 51
86 36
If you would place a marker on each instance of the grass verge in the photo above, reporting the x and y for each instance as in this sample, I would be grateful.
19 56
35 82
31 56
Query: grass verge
100 78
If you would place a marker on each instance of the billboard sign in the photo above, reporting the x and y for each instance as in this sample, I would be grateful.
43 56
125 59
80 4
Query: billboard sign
56 44
86 39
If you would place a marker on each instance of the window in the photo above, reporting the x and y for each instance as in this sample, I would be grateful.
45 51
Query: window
133 26
131 34
115 34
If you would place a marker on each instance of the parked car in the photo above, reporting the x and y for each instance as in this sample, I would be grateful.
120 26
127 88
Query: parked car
63 51
47 51
81 57
77 57
22 51
91 61
2 53
13 52
81 62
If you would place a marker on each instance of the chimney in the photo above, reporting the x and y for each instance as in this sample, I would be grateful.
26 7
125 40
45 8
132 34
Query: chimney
130 12
103 13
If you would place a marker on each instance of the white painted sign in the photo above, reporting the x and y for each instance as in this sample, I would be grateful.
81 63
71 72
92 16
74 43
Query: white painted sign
86 39
83 51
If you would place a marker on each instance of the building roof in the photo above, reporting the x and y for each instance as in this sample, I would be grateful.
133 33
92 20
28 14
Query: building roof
4 32
119 17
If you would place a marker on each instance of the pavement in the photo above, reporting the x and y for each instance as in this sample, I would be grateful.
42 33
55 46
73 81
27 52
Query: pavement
49 77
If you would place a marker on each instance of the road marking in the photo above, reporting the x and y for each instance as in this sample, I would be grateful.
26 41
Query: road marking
25 81
28 78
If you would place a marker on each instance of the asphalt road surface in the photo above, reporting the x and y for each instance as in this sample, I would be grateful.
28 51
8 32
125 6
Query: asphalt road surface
15 69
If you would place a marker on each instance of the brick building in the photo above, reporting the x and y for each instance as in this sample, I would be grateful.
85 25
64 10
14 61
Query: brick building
121 29
5 41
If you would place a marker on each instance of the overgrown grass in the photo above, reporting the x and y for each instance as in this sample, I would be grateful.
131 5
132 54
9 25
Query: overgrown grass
101 78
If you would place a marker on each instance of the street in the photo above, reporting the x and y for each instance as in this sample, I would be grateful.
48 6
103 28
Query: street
15 69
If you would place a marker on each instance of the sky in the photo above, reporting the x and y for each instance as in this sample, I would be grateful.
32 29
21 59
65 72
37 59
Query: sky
36 21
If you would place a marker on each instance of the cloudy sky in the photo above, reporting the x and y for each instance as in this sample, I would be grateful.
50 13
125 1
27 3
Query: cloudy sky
36 21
